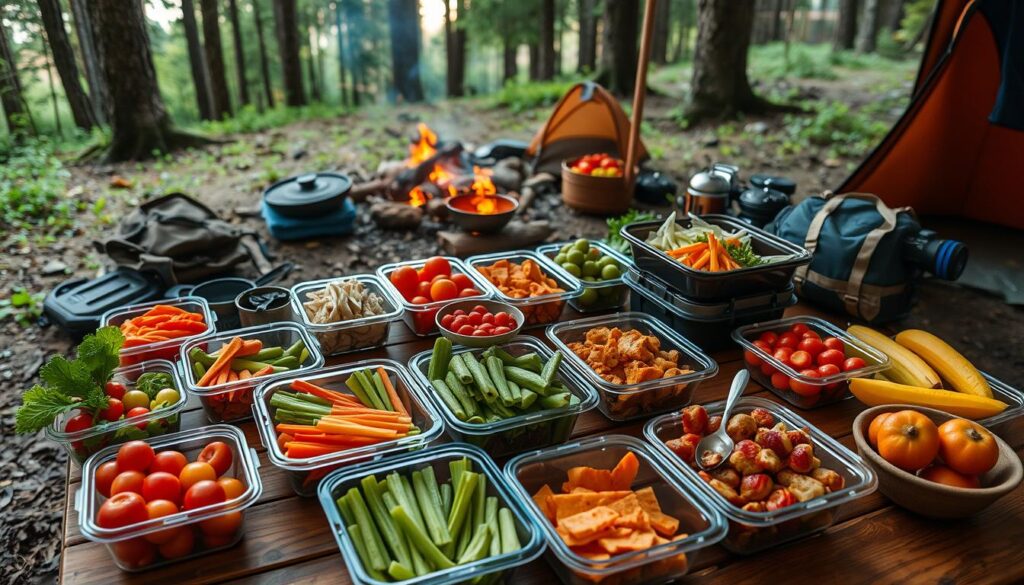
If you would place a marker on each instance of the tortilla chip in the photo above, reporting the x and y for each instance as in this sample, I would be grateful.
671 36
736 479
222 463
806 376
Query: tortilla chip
648 499
636 540
588 523
565 505
542 499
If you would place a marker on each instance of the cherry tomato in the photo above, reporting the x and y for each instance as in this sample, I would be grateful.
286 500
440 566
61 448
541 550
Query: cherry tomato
466 329
751 358
104 477
121 510
474 318
435 266
805 388
405 279
487 319
609 163
585 167
443 290
469 292
811 346
161 486
836 344
458 312
853 363
801 360
223 525
138 411
462 281
810 335
767 369
159 509
764 346
218 454
769 337
458 322
488 327
180 544
79 422
480 333
783 354
420 300
195 472
799 328
826 370
502 319
114 389
203 493
135 455
113 411
232 487
479 309
830 356
501 330
790 340
127 481
447 321
134 553
780 381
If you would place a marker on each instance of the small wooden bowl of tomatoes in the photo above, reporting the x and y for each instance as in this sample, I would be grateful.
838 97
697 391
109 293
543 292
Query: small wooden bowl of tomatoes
479 323
596 183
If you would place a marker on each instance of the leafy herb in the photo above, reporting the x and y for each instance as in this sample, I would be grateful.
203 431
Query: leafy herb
744 254
69 384
153 382
615 225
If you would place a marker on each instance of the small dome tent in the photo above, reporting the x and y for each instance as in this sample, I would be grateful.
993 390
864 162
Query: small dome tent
956 149
588 119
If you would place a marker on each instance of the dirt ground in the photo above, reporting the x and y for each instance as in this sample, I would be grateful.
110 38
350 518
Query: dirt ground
230 178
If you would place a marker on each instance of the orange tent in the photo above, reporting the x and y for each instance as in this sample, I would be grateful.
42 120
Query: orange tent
586 120
956 149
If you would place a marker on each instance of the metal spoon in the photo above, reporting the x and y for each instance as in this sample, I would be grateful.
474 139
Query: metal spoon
714 449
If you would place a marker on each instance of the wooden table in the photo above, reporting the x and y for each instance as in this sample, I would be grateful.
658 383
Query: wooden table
287 539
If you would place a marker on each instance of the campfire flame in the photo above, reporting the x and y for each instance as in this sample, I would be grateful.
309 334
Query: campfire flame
483 190
424 148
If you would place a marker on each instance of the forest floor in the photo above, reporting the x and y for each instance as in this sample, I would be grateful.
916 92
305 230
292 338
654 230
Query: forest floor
847 114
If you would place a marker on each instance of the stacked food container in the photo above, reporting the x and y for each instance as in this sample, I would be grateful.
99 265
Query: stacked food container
707 305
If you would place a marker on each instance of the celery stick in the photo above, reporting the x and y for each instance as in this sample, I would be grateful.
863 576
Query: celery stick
295 349
345 510
529 361
314 399
491 508
419 565
480 377
402 493
461 394
435 524
507 528
446 498
494 370
378 385
492 527
357 389
501 354
478 547
374 545
514 390
465 536
196 354
267 353
458 366
198 369
419 539
400 572
392 538
449 399
526 379
480 501
555 400
358 542
440 357
431 480
527 398
369 389
463 500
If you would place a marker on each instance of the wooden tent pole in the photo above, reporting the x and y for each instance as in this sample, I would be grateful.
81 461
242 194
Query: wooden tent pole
639 91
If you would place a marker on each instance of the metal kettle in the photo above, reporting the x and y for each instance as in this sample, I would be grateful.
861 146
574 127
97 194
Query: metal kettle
710 189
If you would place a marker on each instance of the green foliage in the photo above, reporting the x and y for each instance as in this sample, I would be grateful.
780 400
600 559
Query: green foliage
915 16
615 225
32 186
524 96
804 62
834 125
249 119
22 306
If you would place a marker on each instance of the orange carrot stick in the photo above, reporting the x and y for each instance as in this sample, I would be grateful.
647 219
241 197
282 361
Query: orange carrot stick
702 261
331 395
263 372
250 347
223 360
337 440
383 414
244 375
223 377
299 450
345 428
296 429
396 402
379 424
696 247
713 249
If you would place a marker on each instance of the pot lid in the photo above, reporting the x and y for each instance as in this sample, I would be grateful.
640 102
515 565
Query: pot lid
786 185
711 182
308 189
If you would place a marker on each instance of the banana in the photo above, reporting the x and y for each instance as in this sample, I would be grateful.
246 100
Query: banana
951 364
905 367
878 392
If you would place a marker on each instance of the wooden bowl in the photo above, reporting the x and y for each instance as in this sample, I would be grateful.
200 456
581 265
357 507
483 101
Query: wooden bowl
928 498
596 195
477 342
468 219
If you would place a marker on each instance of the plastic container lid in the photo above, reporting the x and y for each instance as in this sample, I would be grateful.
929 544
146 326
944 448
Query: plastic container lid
420 362
550 250
88 500
423 414
342 479
564 280
545 461
563 333
657 291
457 265
308 195
78 305
191 304
392 308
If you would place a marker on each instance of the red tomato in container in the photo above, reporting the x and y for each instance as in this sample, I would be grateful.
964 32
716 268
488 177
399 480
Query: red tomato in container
138 411
853 363
180 544
134 553
121 510
113 411
422 290
836 344
196 472
804 388
502 319
232 487
104 477
405 279
159 509
420 300
783 354
790 340
79 422
811 345
443 290
830 356
826 370
435 266
469 292
128 482
800 328
780 381
218 454
114 389
801 360
203 493
225 525
769 337
462 281
135 455
161 486
170 461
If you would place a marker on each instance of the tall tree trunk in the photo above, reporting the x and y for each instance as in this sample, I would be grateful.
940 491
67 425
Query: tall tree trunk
776 25
139 122
719 86
15 111
534 50
846 25
509 48
342 73
894 15
308 32
93 73
268 91
867 33
236 37
588 35
459 33
619 50
546 54
288 44
404 23
449 50
662 22
353 34
220 99
686 18
53 88
197 61
64 61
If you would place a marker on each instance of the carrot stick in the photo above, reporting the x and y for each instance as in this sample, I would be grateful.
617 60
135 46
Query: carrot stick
223 377
396 402
344 428
244 375
372 416
309 388
379 424
696 247
223 360
702 261
263 372
336 440
713 249
383 414
299 450
250 347
727 262
296 429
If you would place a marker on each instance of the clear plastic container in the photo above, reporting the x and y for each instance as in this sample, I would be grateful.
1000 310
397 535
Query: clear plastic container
354 334
305 474
519 433
159 350
420 318
1008 394
191 533
340 481
232 401
702 523
81 444
629 401
809 392
538 310
608 294
753 531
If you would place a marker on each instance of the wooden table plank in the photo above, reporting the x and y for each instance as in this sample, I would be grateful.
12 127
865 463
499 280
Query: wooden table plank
287 539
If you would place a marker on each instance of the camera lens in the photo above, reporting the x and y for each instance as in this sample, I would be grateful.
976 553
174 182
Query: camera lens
948 259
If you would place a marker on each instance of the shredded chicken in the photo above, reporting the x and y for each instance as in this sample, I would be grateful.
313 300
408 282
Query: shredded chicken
627 357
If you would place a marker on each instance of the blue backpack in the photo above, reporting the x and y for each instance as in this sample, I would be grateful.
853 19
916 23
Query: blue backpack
858 264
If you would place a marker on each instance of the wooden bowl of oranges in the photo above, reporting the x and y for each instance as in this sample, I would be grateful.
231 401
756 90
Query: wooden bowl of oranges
933 463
